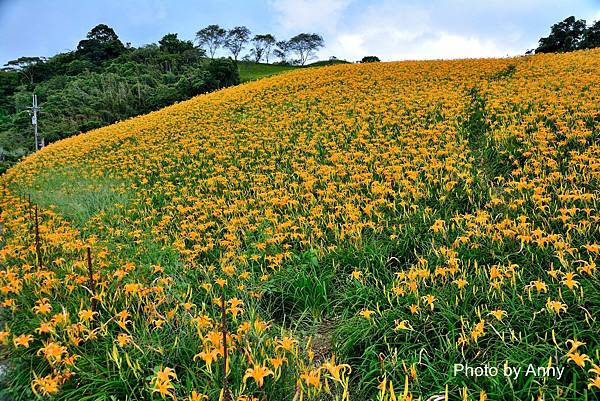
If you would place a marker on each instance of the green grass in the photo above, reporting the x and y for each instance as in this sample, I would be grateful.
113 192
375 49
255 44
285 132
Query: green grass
250 71
75 194
322 63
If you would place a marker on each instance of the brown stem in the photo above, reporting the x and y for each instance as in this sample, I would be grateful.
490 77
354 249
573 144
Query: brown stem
226 395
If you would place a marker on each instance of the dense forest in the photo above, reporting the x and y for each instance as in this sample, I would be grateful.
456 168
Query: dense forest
104 80
101 82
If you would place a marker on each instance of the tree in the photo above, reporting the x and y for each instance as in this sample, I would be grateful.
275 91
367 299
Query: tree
171 44
223 72
282 50
9 81
370 59
212 37
102 33
262 46
236 39
102 44
305 45
23 65
564 36
591 37
268 41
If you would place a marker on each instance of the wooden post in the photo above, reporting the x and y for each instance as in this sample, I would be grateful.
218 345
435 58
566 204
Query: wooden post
38 251
30 216
226 395
91 283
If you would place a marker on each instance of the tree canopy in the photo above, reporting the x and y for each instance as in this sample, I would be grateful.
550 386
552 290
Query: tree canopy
212 38
236 39
591 37
370 59
171 44
570 34
263 45
305 45
281 50
102 44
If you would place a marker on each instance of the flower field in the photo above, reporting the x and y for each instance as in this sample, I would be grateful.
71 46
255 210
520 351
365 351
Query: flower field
343 233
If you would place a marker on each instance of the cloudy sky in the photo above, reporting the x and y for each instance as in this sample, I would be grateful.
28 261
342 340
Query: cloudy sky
390 29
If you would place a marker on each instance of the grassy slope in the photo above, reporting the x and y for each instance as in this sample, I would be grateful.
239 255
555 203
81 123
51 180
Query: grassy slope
250 71
323 63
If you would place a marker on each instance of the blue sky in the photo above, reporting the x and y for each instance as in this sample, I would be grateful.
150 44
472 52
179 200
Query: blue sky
390 29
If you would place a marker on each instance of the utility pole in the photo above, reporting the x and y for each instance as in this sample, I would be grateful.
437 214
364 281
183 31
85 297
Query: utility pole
39 142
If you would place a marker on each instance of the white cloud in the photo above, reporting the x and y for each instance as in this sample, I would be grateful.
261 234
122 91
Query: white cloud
307 15
391 46
433 29
395 30
350 45
594 18
447 45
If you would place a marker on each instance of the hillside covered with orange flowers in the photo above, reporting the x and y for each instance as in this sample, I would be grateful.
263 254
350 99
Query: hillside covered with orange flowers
349 232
